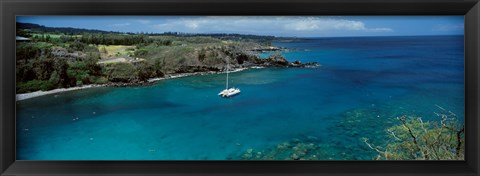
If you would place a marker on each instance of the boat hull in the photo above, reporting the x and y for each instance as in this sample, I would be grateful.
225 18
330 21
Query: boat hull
229 92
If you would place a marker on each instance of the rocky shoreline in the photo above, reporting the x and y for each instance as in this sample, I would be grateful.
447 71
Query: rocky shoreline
149 82
272 61
275 60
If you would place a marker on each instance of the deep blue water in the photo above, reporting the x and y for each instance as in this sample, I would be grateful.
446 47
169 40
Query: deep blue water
184 119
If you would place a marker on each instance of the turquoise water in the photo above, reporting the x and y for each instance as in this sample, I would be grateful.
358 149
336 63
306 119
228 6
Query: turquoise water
184 119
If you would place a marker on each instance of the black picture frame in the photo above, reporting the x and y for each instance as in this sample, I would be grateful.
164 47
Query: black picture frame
10 8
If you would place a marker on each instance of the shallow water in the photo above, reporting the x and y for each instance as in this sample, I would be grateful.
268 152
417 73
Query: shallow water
184 119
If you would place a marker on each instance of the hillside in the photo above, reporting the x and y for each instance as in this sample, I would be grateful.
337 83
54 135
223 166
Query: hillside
69 57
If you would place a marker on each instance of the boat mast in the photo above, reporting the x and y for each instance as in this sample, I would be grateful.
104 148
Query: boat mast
227 75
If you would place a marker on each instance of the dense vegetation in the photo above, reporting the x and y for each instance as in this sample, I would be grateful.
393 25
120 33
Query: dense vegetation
415 139
68 57
75 31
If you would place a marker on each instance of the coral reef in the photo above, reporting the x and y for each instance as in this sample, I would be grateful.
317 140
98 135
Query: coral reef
295 149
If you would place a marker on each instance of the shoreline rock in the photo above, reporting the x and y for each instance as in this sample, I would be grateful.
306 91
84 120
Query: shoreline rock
275 60
268 49
278 60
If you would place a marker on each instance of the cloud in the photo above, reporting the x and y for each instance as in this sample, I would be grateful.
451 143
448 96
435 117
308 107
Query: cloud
448 27
320 24
192 24
380 30
143 21
280 26
120 25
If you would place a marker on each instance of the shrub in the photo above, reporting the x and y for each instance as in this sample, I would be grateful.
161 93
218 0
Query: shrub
78 71
90 48
34 85
25 51
415 139
54 78
76 46
158 66
163 42
79 83
202 55
61 67
25 72
100 80
141 53
121 72
43 68
145 71
91 64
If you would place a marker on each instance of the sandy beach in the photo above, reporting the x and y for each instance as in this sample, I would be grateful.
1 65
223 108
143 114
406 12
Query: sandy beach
25 96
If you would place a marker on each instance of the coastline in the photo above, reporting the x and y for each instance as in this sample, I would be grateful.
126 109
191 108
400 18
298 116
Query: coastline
25 96
39 93
272 61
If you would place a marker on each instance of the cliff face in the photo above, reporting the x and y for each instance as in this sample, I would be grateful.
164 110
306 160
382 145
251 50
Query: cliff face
216 59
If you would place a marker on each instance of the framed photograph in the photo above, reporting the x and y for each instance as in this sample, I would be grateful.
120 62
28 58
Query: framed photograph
238 88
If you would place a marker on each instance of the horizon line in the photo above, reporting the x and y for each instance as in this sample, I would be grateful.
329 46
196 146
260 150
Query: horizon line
186 34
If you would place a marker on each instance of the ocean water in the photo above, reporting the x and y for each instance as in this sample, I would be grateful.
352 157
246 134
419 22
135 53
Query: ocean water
379 78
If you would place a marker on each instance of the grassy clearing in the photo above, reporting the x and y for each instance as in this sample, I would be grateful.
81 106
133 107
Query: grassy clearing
112 61
53 36
116 50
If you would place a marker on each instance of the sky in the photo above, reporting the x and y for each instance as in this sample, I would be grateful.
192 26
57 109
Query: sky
280 26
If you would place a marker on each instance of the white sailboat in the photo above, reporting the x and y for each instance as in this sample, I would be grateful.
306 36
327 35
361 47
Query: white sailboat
228 92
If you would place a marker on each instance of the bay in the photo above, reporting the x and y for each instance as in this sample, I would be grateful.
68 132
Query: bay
185 119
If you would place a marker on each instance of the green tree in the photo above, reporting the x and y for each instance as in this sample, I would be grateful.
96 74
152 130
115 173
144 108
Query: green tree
158 67
202 55
34 85
77 46
91 63
43 68
61 67
145 71
121 72
54 78
78 73
48 38
25 72
141 53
